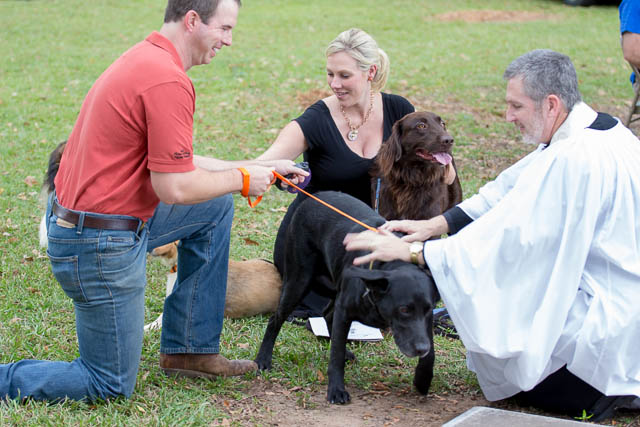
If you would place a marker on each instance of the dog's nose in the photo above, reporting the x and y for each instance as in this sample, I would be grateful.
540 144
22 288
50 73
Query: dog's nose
446 139
422 349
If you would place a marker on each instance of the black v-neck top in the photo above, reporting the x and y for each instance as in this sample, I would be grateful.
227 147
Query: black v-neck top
333 165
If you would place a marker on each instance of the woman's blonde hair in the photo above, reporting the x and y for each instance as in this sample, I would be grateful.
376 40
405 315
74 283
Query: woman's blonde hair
365 51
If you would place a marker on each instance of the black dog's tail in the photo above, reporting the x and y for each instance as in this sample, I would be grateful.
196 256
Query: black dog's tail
48 184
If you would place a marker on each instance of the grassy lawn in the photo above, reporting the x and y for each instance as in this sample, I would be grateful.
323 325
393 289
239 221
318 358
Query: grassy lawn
446 55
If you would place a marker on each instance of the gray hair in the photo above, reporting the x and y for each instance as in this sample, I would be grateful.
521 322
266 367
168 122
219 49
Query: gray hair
365 51
545 72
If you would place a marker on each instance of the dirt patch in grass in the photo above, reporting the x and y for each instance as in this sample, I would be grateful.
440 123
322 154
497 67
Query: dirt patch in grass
272 404
450 108
308 98
485 155
473 16
269 403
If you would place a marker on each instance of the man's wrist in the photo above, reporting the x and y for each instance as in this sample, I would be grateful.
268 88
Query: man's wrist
246 181
415 252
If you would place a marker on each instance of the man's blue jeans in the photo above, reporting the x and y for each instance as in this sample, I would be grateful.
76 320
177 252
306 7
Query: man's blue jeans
103 272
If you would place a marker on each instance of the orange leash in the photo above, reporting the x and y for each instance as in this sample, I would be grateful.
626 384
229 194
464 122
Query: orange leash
368 227
246 182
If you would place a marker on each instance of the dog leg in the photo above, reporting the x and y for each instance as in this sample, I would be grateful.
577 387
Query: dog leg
292 293
265 354
156 324
42 232
424 369
336 392
328 318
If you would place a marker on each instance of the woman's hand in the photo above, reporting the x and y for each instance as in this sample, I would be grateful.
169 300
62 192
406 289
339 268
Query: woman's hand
384 246
286 167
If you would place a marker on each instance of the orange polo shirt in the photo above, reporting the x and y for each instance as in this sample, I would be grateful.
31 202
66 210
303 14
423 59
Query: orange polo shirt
137 118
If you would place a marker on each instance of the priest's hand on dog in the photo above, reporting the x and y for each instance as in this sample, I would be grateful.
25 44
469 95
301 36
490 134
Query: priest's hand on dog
383 246
418 231
386 246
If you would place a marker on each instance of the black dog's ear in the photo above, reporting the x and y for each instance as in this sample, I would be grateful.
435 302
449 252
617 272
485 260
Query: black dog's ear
436 293
353 272
375 280
391 149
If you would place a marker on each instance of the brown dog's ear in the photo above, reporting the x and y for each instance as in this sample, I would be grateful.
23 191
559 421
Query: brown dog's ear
391 149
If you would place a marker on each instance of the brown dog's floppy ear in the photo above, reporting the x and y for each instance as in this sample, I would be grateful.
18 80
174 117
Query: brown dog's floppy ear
391 149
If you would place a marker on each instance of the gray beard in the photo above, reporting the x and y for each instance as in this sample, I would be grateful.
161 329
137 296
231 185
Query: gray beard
530 139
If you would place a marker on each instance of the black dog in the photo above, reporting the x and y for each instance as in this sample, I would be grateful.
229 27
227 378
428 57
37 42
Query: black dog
396 294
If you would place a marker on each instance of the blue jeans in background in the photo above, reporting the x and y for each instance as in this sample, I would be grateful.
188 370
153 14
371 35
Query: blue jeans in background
104 273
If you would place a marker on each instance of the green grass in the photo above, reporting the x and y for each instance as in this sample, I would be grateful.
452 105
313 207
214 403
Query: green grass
52 51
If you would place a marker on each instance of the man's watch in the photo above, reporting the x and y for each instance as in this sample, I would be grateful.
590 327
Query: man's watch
415 250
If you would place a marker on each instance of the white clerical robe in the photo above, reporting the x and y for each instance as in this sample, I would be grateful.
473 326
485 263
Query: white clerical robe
548 273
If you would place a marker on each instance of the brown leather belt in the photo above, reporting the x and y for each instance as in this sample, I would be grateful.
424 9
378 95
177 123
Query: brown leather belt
94 221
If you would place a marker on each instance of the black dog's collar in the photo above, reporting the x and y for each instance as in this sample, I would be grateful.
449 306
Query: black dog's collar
367 295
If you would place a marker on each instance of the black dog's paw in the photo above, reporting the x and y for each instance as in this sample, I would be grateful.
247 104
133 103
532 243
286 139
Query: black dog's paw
421 386
422 379
424 373
337 395
263 365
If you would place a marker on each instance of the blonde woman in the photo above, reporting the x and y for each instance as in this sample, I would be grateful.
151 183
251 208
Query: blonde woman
340 134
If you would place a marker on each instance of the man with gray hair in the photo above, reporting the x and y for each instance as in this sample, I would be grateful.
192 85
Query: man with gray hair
541 276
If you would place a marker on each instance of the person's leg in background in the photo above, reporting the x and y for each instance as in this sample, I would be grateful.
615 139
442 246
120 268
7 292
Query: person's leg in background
564 393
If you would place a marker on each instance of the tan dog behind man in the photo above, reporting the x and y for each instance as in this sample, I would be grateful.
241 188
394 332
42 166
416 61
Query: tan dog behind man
253 286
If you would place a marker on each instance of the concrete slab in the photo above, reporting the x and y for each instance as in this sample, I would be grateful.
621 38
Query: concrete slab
481 416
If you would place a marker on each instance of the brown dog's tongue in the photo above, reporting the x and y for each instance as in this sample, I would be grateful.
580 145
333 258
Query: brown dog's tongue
443 158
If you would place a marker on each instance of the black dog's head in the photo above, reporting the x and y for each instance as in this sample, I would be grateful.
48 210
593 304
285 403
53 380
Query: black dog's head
417 137
404 296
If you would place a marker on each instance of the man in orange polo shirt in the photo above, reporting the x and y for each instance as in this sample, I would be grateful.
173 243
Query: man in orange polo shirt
128 182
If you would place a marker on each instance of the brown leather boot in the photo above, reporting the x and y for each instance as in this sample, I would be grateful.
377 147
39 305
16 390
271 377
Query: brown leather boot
203 365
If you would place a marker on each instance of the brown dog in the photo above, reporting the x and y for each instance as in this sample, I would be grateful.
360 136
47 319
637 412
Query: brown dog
253 286
412 166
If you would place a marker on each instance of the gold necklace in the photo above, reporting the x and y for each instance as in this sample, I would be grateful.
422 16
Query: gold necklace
352 135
